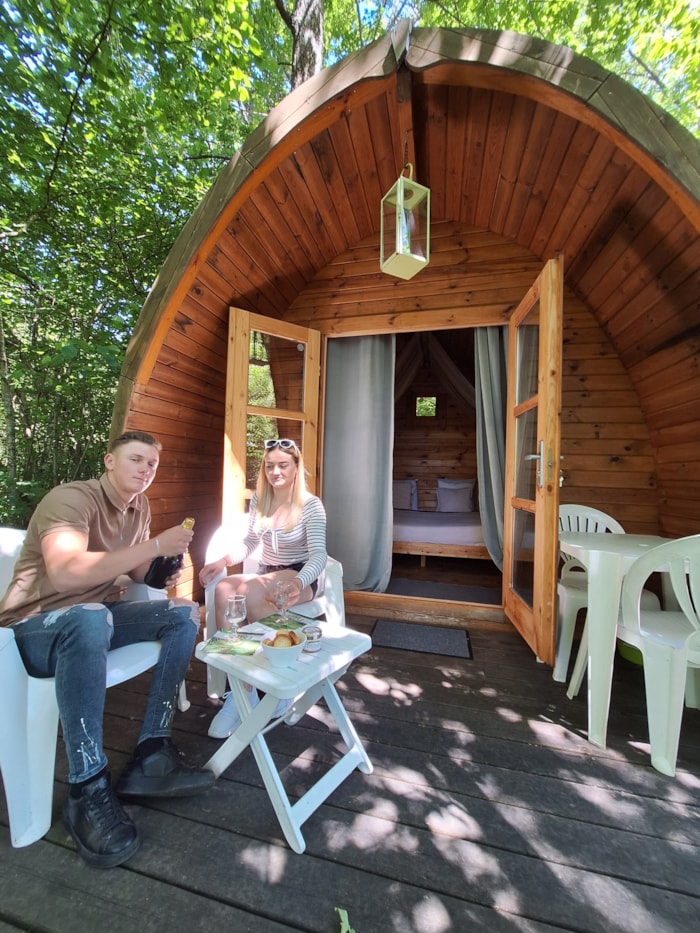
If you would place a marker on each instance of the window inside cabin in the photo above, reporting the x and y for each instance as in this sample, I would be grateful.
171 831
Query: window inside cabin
426 406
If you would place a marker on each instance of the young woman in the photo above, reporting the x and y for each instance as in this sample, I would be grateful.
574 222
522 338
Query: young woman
291 524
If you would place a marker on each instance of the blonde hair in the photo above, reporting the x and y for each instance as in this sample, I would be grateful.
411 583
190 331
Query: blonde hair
264 491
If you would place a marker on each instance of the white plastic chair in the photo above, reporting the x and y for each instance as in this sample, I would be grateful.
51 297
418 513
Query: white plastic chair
329 601
29 720
669 642
572 586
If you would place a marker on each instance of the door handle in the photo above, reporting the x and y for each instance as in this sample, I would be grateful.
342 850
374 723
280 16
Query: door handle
540 459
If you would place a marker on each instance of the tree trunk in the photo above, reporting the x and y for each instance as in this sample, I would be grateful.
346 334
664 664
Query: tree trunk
306 26
9 445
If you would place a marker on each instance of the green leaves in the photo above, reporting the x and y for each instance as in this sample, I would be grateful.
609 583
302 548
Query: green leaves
653 44
107 123
117 116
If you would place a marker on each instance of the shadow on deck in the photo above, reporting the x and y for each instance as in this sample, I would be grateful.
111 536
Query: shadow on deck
487 810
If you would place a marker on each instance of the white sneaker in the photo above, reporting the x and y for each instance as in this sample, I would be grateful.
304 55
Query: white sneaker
228 719
281 708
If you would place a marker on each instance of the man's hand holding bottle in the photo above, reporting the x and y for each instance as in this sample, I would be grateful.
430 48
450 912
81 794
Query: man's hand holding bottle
170 546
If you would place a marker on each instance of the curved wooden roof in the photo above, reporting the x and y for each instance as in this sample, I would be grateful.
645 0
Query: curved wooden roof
521 142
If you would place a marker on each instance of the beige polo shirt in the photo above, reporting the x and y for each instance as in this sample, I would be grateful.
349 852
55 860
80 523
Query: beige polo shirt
91 507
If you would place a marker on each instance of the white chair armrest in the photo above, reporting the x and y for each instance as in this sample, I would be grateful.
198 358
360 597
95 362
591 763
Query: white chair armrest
209 608
216 680
330 601
134 592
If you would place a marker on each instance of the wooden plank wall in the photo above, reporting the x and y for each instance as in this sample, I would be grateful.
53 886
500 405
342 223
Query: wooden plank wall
183 405
608 456
669 389
609 461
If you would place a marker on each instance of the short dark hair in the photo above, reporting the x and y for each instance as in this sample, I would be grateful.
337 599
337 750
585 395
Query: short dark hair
129 436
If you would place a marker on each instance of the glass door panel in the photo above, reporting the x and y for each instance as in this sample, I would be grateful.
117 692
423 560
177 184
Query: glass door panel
526 447
528 359
523 576
276 368
258 429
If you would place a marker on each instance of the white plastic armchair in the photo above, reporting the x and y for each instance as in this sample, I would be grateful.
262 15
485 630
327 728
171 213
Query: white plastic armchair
329 603
29 720
572 586
669 642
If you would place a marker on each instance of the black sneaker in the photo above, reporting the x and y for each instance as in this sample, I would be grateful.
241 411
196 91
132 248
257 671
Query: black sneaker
163 773
103 831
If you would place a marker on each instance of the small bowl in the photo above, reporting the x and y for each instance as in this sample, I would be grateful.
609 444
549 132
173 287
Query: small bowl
283 657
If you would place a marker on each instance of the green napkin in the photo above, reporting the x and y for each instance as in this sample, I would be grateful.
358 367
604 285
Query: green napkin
293 621
230 646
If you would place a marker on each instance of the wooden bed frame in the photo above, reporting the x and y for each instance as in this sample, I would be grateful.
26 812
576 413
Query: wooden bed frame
425 550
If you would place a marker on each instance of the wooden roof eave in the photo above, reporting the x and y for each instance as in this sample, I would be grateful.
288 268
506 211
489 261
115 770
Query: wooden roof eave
571 84
305 112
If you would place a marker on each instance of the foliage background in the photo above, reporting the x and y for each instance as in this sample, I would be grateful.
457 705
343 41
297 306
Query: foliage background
115 118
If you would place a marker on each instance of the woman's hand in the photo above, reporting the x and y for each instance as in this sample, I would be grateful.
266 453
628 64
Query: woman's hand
295 591
209 572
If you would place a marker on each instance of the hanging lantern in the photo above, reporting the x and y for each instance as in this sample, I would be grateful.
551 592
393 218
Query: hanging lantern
405 227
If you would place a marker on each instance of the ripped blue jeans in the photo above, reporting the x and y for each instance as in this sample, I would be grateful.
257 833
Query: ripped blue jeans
71 645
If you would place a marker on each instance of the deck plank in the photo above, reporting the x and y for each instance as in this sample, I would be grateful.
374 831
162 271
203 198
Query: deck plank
487 808
45 887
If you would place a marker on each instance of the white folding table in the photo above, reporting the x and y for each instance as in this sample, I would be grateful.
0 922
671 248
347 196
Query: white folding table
311 677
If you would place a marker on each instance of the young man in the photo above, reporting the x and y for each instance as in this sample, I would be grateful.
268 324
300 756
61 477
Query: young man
82 536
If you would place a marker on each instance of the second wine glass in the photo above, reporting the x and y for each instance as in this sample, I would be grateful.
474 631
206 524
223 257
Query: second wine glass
283 590
235 615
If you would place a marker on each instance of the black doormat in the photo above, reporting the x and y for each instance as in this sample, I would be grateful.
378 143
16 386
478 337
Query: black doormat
429 639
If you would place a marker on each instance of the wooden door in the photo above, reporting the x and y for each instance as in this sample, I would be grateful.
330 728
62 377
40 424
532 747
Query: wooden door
272 390
530 550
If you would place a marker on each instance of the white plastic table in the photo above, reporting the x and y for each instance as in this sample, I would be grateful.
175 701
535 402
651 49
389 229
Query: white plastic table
607 558
313 676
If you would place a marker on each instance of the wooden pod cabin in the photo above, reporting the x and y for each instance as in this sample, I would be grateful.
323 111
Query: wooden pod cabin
530 152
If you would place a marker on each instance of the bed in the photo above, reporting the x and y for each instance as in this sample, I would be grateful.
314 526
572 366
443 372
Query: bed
452 530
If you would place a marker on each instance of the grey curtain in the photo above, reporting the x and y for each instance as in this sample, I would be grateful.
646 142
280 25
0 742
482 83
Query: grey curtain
358 458
491 367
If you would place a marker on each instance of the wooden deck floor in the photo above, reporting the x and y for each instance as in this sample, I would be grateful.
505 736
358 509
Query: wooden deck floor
487 810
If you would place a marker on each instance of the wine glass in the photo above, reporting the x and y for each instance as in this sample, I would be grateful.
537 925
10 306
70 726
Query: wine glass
235 615
283 590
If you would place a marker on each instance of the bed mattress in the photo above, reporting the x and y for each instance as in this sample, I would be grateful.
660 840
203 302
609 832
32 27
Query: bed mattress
460 528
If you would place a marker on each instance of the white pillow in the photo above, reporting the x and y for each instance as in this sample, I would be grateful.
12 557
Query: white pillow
455 500
406 494
445 483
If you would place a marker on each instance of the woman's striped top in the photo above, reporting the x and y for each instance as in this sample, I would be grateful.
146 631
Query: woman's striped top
304 544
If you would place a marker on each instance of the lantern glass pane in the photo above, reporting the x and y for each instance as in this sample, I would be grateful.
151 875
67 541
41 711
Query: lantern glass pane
405 229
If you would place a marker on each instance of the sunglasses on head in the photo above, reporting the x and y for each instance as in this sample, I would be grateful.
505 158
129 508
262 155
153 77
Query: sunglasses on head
282 442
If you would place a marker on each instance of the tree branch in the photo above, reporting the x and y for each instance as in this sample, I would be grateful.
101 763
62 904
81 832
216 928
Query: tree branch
285 14
650 73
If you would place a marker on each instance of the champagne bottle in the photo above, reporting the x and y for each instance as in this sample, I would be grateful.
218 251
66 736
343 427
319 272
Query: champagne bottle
162 568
